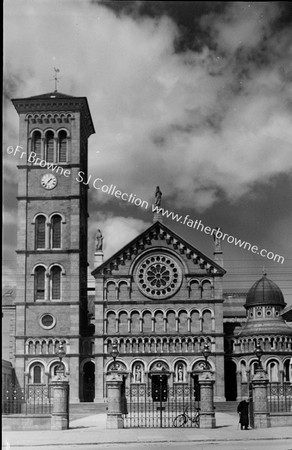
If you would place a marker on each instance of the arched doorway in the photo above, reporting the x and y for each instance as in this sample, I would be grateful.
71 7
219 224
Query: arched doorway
159 373
88 381
230 380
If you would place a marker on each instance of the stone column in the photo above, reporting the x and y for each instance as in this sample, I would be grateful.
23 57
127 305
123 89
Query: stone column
207 414
238 384
260 399
60 401
114 411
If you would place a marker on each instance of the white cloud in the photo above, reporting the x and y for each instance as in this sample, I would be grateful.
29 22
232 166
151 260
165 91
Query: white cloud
192 123
117 231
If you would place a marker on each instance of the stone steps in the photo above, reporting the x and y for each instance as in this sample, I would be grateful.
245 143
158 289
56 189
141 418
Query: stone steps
226 407
85 409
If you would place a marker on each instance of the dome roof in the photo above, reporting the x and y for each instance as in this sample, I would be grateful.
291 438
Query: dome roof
264 292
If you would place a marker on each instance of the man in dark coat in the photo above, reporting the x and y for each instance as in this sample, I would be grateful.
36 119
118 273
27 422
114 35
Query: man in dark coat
242 410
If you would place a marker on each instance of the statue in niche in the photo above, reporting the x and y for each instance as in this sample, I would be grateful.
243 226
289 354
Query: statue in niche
217 240
180 373
99 241
158 195
138 374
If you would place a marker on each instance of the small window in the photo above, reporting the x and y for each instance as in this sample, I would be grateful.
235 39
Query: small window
37 144
50 147
62 146
39 288
56 282
48 321
37 375
40 232
56 231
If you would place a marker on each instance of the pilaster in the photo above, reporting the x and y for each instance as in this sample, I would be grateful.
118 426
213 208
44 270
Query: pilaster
114 412
260 399
207 414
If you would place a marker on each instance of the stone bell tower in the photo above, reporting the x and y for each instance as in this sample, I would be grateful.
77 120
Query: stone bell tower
51 302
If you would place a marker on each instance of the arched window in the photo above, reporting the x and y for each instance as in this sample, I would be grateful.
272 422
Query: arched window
56 231
273 371
39 283
40 232
55 283
50 147
37 375
37 144
62 146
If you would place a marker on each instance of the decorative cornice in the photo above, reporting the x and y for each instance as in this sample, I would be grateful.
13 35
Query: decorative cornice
53 102
52 198
48 251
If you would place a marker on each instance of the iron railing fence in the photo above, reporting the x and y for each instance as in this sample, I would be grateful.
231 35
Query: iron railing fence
280 397
176 408
32 399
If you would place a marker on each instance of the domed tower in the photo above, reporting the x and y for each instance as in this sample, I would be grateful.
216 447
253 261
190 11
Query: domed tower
264 325
264 303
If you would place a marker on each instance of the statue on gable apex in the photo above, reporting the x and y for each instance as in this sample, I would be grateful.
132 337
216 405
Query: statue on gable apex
217 239
99 241
158 195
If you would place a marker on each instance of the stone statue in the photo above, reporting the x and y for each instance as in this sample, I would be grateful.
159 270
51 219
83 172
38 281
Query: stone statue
217 240
180 373
138 374
158 195
99 241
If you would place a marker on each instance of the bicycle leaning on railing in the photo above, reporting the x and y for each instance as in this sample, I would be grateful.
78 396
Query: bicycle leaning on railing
182 419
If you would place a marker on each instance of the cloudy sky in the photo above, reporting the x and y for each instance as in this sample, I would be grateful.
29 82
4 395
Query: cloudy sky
195 97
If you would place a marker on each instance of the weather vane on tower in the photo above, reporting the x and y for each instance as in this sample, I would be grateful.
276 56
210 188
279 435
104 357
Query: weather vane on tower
56 78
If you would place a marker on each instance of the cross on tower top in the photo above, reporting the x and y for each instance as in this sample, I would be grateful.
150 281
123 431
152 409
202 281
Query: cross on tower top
56 77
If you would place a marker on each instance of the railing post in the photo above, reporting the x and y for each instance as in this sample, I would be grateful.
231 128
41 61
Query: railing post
114 405
207 414
260 399
60 400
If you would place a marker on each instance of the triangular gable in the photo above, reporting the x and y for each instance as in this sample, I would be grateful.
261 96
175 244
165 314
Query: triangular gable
155 231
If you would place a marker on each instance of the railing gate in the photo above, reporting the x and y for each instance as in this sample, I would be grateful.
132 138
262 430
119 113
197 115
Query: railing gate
158 406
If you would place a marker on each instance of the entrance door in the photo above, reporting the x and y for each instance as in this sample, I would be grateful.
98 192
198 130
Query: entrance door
159 388
230 381
88 381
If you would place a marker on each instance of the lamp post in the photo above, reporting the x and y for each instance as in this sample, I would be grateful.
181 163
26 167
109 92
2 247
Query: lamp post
115 352
206 352
259 353
61 354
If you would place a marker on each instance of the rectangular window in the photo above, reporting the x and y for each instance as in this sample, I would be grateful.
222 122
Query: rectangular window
37 144
56 232
56 283
40 283
40 232
50 146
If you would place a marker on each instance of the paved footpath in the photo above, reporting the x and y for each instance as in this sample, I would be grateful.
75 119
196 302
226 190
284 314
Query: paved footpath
91 430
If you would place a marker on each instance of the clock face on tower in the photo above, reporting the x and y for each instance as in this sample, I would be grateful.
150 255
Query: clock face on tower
48 181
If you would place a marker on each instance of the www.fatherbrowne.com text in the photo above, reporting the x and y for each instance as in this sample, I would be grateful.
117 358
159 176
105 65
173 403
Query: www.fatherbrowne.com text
112 190
198 225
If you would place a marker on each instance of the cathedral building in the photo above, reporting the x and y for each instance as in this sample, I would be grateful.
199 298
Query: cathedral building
159 297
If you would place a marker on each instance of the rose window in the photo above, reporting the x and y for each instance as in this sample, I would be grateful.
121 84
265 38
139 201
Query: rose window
158 276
